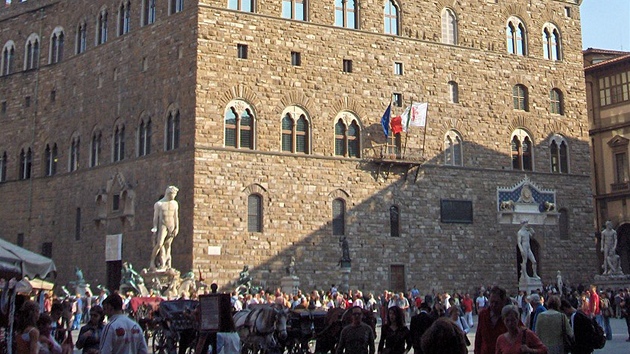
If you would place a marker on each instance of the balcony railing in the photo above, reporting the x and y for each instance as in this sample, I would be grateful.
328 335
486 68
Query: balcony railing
620 187
393 154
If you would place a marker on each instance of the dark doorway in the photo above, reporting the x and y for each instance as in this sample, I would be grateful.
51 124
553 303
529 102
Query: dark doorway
535 246
113 275
397 278
623 247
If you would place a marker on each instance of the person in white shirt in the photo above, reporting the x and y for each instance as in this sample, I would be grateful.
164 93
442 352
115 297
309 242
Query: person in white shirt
121 335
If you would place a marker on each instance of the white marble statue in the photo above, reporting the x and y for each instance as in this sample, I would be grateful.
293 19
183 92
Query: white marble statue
559 282
609 248
165 228
524 235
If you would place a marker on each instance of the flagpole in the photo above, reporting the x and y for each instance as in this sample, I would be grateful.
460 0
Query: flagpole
406 135
426 121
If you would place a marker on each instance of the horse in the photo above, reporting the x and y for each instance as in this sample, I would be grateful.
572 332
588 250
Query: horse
260 327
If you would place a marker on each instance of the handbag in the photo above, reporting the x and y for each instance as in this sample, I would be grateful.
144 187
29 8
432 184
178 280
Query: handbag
568 342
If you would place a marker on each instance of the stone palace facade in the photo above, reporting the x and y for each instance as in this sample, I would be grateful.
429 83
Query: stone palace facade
267 116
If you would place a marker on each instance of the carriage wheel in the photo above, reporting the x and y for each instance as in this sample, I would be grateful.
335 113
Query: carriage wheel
159 341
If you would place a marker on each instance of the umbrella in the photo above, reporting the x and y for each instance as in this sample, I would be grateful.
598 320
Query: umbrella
20 261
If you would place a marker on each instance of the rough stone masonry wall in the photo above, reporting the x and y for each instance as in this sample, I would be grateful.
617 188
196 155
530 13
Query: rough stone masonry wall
298 191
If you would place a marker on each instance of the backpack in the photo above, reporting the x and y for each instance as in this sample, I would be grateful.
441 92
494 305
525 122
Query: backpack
597 336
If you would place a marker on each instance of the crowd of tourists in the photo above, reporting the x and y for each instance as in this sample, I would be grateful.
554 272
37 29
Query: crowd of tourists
549 320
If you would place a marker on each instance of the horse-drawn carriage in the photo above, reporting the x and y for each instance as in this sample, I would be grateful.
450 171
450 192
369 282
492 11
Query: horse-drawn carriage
142 310
175 325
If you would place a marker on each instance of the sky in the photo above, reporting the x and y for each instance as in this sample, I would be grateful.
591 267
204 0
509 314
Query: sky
606 24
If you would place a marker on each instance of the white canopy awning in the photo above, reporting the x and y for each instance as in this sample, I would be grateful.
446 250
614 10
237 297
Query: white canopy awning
24 262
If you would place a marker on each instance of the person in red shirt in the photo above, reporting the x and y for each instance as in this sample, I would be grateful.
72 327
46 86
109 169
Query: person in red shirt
594 306
467 304
490 324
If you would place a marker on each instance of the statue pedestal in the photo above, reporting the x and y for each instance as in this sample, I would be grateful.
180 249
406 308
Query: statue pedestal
612 281
529 284
290 284
164 281
345 277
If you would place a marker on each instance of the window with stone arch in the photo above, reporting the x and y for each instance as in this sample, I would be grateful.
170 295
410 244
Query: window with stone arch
241 5
57 41
556 100
559 151
391 18
449 26
520 98
453 92
3 166
338 217
240 125
516 36
254 213
295 9
296 130
148 12
81 40
26 163
145 131
50 153
175 6
31 52
172 131
74 153
118 143
101 27
521 151
347 136
551 42
8 58
95 148
453 149
394 221
124 17
346 14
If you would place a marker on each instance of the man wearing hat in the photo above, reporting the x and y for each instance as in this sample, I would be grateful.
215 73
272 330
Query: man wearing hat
419 324
121 335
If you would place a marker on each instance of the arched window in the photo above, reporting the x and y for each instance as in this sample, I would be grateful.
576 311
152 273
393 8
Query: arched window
101 26
516 37
240 125
148 12
3 167
51 159
346 14
294 9
74 154
8 57
449 27
558 150
119 143
172 131
521 147
339 217
242 5
124 18
347 136
519 97
254 213
81 38
551 42
557 101
95 149
394 221
144 137
452 149
391 18
26 161
453 92
563 224
31 56
175 6
295 131
57 40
